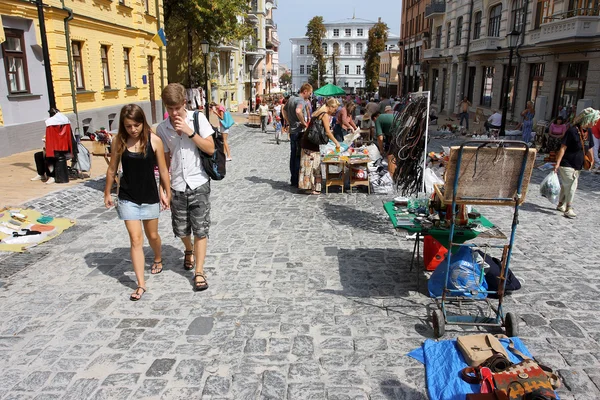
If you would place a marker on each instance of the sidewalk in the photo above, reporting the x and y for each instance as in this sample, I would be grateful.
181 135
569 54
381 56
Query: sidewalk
18 169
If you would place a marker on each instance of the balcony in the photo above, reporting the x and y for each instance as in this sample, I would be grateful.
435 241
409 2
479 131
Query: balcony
437 8
567 29
270 24
432 53
487 44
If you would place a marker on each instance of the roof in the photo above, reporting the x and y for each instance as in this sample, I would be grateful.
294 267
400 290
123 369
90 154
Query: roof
346 21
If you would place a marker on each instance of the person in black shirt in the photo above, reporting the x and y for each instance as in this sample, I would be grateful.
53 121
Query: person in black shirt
139 199
576 143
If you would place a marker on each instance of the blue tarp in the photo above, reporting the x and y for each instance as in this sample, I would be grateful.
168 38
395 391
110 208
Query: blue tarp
443 363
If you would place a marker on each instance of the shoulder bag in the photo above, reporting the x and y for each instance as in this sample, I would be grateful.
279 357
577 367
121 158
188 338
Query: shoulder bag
316 131
478 348
587 160
214 165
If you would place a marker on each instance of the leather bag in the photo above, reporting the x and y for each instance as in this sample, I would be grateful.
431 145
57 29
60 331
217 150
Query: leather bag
587 160
478 348
316 131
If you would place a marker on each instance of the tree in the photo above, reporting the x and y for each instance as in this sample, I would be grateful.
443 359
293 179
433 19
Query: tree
216 21
315 31
285 79
378 35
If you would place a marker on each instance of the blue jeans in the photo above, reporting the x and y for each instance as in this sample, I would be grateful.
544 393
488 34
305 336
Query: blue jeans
464 116
295 158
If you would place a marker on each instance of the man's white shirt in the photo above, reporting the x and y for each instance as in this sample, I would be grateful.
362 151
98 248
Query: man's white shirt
496 119
186 165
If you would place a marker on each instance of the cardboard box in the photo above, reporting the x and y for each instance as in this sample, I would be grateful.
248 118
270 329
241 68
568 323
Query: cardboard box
98 148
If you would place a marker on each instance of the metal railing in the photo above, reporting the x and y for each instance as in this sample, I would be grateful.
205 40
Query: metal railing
578 12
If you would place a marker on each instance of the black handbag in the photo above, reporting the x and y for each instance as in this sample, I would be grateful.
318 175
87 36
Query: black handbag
214 165
316 131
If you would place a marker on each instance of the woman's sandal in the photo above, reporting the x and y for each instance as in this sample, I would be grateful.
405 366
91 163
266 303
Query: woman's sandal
202 285
137 293
155 267
188 264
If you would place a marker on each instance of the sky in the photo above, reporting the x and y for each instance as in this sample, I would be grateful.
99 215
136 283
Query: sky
291 17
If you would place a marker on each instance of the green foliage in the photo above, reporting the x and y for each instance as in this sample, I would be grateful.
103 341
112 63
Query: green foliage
378 35
315 31
285 79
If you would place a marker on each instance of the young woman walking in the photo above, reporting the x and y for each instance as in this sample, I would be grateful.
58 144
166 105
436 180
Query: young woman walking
139 199
219 111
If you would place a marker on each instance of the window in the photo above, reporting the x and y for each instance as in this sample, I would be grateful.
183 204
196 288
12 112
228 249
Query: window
79 79
308 50
127 67
302 69
308 69
146 6
359 49
518 12
15 61
438 37
348 32
346 84
346 69
542 11
324 45
336 33
536 80
459 23
358 70
336 48
570 85
347 49
448 30
487 86
302 49
105 70
494 21
359 32
477 26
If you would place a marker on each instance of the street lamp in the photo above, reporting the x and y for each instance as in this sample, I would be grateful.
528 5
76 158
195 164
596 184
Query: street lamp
513 39
205 46
387 84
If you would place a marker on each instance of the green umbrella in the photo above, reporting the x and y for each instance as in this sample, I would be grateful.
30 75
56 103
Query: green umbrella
329 90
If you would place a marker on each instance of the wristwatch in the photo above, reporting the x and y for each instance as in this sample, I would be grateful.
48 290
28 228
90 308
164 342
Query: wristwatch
192 135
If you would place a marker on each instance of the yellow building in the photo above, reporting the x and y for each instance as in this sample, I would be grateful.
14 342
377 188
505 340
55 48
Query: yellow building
101 56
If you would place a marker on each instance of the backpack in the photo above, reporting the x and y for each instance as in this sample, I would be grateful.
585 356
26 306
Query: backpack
213 165
227 121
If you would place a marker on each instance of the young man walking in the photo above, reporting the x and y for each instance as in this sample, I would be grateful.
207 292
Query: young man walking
190 185
296 116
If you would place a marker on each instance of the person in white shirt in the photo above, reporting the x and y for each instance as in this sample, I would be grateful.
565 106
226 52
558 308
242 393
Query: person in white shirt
263 111
494 121
190 185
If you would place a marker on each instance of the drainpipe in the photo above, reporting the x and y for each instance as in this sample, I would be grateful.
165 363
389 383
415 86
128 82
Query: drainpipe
46 55
466 60
70 62
161 56
519 59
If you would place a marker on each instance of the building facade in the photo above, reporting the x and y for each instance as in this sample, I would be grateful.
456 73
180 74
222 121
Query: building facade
555 64
414 40
348 38
388 72
101 57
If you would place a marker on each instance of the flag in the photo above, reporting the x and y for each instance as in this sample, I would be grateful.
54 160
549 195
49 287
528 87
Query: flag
160 39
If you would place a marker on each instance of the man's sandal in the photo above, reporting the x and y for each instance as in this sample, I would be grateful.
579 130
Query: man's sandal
188 264
200 285
156 267
137 293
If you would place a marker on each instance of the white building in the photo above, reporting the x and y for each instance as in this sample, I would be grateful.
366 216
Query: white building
350 37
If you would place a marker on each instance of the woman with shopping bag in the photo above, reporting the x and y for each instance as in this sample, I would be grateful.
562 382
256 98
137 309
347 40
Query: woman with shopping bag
225 122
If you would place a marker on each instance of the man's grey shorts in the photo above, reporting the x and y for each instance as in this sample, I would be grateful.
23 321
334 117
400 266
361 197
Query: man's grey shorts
190 211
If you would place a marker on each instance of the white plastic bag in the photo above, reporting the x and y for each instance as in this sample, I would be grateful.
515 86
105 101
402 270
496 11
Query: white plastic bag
550 187
430 179
374 154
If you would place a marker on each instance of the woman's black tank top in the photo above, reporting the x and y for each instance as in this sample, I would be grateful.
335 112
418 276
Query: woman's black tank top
138 183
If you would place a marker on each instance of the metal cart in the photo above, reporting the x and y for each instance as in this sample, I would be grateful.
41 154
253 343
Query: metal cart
489 173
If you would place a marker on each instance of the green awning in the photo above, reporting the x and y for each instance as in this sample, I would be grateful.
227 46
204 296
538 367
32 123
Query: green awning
329 90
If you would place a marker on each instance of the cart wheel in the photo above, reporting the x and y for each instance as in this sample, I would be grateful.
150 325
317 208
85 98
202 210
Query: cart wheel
511 324
439 324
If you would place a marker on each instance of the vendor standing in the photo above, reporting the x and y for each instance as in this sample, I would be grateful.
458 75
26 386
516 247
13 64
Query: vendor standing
383 129
345 121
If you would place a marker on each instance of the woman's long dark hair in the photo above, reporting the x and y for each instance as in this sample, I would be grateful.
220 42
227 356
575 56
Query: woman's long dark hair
134 113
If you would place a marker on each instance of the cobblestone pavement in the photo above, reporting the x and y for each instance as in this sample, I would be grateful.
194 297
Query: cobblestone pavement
310 297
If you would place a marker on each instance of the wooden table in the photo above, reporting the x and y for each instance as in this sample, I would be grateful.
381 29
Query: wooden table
353 165
334 178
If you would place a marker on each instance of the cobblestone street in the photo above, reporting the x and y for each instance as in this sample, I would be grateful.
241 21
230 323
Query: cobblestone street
310 297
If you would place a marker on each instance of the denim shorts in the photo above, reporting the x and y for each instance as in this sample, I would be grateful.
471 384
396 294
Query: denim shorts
190 211
129 211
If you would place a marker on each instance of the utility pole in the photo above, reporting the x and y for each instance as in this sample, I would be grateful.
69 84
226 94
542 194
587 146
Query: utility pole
334 68
46 56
